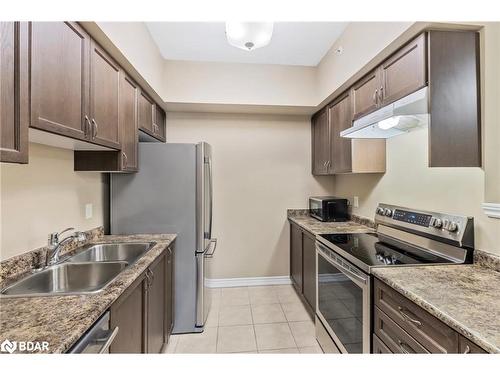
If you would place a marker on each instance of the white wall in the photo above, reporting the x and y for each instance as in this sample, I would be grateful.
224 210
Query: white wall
45 196
262 166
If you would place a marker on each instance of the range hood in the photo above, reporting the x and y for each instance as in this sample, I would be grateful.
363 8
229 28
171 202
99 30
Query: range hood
397 118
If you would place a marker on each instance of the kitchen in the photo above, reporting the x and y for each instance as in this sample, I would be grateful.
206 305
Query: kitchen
188 176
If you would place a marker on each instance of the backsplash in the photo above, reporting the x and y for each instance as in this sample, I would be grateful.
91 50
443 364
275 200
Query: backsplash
19 265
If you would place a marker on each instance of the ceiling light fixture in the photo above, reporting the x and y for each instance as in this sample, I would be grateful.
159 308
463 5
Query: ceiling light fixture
249 35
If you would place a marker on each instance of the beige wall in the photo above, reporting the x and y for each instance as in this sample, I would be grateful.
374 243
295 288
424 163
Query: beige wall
361 41
231 83
410 182
45 196
261 168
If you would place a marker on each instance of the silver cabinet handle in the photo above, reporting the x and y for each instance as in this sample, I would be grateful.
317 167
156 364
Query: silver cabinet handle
405 348
109 340
94 129
408 318
467 349
125 159
381 94
86 128
375 96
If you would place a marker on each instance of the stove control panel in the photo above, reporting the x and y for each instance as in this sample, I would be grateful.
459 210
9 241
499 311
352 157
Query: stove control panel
451 227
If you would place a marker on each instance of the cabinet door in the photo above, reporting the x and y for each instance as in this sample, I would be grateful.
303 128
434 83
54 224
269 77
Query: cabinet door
320 143
169 293
146 107
159 127
14 92
127 313
60 78
341 151
309 267
128 123
156 307
296 256
404 72
104 93
466 346
365 94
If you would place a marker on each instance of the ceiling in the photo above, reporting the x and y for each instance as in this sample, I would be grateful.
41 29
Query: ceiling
293 43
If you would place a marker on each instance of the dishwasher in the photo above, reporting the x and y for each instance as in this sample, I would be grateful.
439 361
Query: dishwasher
97 339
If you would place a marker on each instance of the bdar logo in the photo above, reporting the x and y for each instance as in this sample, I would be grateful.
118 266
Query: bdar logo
8 346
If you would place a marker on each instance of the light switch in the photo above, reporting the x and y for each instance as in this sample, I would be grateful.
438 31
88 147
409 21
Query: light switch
88 211
355 202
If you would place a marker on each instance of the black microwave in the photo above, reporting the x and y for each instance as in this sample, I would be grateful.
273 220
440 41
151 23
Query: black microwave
328 208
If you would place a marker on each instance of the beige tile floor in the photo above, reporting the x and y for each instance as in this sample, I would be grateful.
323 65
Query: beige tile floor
263 319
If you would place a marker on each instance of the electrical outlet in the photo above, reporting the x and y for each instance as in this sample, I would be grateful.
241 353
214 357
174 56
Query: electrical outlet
88 211
355 202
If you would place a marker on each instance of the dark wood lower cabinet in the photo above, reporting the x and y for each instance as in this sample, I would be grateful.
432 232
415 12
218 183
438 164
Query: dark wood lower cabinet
309 268
296 256
303 265
144 312
400 326
127 313
155 324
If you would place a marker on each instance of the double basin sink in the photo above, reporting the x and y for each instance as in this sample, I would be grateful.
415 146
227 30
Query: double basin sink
90 270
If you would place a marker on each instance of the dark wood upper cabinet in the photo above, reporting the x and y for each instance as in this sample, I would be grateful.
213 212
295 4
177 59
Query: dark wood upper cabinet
320 143
60 78
365 94
159 126
14 100
404 72
341 150
104 95
455 105
128 314
146 113
296 256
309 269
129 130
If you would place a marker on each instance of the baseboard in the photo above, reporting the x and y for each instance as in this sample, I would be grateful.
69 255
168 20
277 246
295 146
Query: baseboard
248 281
492 209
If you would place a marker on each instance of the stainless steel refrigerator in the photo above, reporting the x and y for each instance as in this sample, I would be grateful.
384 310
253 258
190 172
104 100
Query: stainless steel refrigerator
172 193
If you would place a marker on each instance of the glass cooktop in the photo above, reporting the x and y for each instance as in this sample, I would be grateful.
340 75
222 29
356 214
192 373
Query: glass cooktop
368 248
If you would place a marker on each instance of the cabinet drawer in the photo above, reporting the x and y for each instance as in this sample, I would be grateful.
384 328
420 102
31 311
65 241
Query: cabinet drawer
466 346
378 347
393 336
429 331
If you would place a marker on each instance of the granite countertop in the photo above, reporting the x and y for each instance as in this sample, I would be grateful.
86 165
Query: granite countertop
355 225
62 320
465 297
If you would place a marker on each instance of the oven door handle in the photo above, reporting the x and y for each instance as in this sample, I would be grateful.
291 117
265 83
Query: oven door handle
344 270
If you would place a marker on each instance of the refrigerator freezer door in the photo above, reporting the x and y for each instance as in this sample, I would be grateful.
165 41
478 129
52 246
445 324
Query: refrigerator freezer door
204 293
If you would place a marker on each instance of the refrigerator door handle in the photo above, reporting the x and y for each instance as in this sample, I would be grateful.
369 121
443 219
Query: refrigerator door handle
211 254
211 198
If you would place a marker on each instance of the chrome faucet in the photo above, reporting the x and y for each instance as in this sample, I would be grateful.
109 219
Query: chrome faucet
55 245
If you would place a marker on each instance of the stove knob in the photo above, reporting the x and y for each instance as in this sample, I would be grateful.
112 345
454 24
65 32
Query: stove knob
380 210
436 223
388 212
450 226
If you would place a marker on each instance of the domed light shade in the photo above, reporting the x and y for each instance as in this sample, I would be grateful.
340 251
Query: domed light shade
249 35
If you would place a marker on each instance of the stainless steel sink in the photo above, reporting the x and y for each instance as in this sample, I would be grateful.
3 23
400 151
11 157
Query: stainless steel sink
67 278
128 252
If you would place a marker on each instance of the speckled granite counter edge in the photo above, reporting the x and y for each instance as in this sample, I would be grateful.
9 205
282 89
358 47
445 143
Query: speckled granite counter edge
439 314
32 318
487 260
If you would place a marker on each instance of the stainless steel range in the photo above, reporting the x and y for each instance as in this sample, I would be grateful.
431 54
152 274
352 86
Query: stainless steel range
404 237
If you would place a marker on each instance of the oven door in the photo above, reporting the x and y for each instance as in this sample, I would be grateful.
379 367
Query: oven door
343 301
